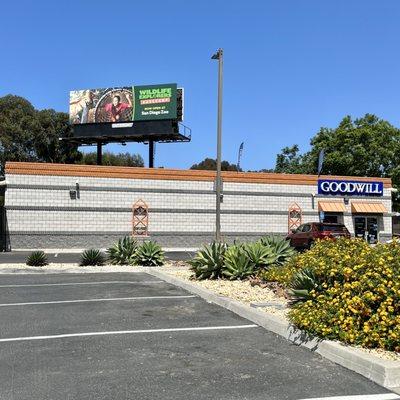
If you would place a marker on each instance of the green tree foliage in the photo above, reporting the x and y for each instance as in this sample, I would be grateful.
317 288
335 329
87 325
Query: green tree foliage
289 160
27 134
120 159
366 146
211 165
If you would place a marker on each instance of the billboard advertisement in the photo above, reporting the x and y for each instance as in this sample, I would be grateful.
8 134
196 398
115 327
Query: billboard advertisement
155 102
123 104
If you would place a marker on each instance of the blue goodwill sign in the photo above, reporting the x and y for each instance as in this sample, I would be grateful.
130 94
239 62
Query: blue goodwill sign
350 188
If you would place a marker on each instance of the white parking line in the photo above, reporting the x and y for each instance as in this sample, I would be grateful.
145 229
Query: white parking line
34 303
385 396
129 332
81 283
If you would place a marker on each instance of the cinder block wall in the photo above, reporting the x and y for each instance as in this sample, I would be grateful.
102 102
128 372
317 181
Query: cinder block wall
41 213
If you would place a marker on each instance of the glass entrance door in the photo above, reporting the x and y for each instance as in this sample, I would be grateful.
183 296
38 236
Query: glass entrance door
372 229
367 228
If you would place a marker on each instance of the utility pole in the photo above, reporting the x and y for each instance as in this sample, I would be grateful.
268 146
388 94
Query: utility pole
219 56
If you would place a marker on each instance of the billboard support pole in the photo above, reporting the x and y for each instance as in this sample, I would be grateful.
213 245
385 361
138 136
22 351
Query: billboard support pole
99 153
219 56
151 154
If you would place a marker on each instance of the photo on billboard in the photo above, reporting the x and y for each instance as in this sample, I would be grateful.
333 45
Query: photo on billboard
123 104
101 105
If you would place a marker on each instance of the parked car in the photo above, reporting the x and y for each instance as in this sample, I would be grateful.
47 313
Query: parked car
304 236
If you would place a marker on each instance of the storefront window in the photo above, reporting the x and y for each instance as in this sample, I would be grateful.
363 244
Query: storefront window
367 228
331 219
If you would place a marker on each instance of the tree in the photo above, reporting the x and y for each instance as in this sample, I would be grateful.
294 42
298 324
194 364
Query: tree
366 146
120 159
289 161
211 165
27 134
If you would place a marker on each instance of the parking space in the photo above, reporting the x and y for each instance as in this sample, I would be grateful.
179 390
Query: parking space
132 336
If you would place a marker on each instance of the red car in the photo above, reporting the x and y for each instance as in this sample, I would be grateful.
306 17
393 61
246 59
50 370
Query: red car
306 234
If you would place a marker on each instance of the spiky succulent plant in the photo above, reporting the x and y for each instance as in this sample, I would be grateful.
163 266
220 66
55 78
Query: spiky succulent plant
37 259
260 256
280 246
149 254
123 252
209 261
237 264
301 285
92 257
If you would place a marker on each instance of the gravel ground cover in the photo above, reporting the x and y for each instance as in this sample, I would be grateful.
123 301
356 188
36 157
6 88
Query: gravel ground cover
241 291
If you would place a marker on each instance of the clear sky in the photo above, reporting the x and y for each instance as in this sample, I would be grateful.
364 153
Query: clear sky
291 66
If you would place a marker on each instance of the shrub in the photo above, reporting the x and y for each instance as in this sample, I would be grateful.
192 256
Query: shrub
280 248
123 252
37 259
92 257
356 299
209 261
282 274
149 254
237 264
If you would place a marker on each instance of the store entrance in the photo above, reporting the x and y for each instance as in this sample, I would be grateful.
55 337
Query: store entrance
367 228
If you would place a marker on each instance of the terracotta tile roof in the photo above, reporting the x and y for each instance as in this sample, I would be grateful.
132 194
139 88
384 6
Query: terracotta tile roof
99 171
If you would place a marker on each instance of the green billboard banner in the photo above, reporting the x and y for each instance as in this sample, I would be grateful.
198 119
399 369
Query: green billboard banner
155 102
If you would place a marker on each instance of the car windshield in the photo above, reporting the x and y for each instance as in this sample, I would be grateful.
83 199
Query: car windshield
331 228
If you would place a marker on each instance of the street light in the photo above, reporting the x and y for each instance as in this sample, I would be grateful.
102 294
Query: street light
218 56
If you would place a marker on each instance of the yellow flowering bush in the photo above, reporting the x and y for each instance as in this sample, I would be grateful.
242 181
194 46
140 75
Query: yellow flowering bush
356 294
282 274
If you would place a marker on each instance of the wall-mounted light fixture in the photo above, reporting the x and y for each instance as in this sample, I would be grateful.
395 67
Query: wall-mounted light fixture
75 192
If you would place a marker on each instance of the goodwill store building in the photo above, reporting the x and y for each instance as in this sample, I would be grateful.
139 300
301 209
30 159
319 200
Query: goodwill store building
76 206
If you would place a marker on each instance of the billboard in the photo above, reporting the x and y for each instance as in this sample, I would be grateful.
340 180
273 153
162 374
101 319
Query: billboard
123 104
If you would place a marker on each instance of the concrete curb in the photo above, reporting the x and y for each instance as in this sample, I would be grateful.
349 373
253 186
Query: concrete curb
384 372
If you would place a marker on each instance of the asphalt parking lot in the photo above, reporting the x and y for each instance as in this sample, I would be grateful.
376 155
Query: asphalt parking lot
132 336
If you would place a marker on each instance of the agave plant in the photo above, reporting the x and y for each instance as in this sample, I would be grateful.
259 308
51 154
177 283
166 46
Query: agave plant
37 259
301 285
260 256
237 264
123 252
92 257
280 247
149 254
209 261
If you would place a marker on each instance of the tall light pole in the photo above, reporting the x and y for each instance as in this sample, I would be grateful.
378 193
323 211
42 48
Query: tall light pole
219 56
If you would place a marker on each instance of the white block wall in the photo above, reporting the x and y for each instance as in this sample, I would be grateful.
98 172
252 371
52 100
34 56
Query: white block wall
38 204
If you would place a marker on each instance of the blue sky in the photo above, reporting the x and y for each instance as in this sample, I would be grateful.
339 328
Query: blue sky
291 66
